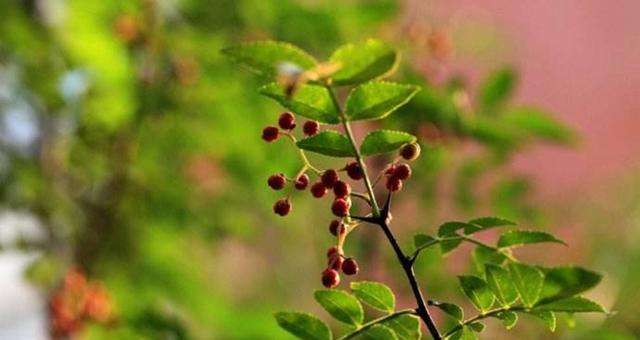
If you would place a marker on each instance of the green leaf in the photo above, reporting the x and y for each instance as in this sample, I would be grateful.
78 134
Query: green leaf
575 304
508 318
328 143
264 57
491 222
450 228
536 122
564 282
362 62
374 294
514 238
528 281
303 325
464 333
451 309
406 327
341 305
497 88
482 255
383 141
477 291
311 101
477 326
547 316
423 240
377 332
377 100
500 283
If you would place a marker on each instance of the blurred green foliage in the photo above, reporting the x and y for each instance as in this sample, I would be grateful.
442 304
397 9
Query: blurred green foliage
136 144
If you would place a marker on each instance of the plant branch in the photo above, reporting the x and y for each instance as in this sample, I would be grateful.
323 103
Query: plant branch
356 151
382 220
374 322
462 238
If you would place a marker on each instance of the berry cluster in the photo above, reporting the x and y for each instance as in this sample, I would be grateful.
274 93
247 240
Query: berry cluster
76 302
287 122
337 261
329 180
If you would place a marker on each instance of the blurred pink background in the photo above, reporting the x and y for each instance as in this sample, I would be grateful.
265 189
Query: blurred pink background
578 58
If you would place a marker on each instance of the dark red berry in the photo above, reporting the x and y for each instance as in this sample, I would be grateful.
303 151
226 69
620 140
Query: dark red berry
340 207
403 171
282 207
353 171
394 184
335 226
335 262
329 178
330 278
332 251
310 128
410 151
350 266
390 170
302 182
287 121
270 133
342 189
318 190
276 182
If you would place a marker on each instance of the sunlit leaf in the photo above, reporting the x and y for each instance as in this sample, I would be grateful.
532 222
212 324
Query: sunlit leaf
464 333
405 326
341 305
528 281
264 57
484 223
514 238
547 316
501 284
378 99
477 291
451 309
383 141
303 325
377 332
509 318
311 101
575 304
477 326
563 282
328 143
362 62
374 294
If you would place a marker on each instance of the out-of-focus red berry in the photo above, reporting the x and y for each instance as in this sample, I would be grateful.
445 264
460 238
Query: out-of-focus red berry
329 178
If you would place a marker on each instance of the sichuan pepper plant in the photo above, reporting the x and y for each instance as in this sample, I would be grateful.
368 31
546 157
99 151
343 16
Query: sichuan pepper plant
506 287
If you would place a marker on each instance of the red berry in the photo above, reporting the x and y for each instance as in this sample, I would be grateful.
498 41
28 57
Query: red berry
276 182
410 151
350 266
330 278
336 226
342 189
287 121
302 182
282 207
340 207
318 190
354 171
329 178
310 128
390 170
394 184
403 171
335 262
270 133
332 251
